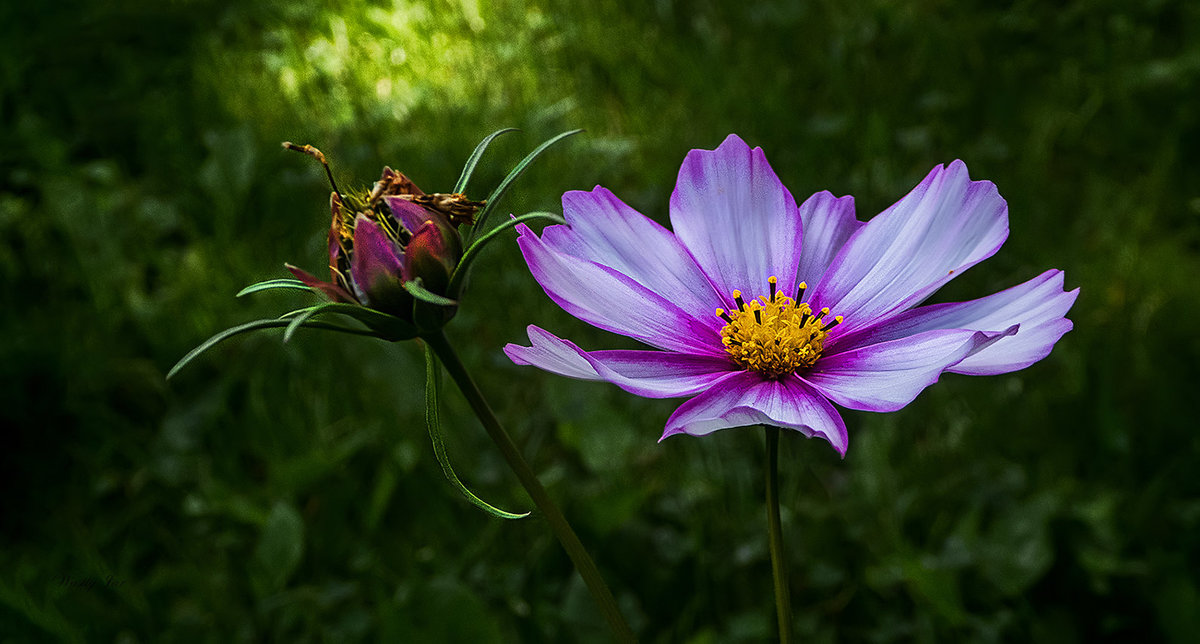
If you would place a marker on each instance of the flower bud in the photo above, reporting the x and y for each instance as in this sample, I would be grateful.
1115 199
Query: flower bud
395 234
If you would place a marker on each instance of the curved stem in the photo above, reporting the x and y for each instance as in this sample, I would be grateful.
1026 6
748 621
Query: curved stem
558 523
783 600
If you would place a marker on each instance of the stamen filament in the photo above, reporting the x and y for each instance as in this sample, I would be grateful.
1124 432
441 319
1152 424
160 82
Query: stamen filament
800 291
737 298
773 283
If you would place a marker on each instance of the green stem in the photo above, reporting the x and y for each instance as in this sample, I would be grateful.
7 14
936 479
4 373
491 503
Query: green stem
783 600
558 523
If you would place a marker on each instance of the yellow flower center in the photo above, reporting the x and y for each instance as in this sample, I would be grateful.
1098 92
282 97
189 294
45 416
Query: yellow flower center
774 335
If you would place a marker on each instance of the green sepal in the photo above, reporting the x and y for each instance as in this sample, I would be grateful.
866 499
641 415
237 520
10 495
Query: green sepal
516 172
460 273
267 285
387 327
254 326
417 289
460 186
430 310
433 380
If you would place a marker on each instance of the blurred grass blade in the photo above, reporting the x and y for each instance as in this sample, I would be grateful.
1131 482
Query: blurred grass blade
417 289
254 326
517 171
469 168
273 284
433 383
460 272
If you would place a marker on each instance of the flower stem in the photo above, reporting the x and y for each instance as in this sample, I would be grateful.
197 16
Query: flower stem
783 600
558 523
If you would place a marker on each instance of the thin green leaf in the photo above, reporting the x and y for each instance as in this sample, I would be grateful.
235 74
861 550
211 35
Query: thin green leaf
254 326
394 327
299 320
469 168
469 256
433 383
516 172
292 314
273 284
417 289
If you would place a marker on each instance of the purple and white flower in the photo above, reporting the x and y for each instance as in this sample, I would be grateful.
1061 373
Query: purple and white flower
765 312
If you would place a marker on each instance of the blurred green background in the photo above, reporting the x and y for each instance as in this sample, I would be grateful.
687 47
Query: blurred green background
289 492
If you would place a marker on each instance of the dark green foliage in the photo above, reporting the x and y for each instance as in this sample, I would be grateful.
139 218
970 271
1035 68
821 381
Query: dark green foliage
279 492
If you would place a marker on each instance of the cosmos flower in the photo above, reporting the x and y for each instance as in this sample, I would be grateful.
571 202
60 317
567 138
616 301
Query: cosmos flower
765 312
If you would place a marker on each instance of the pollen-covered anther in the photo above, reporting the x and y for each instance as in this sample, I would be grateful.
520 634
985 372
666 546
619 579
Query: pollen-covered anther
773 334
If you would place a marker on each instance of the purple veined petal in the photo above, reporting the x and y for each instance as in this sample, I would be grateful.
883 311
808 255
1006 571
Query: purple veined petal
602 229
736 218
1038 306
377 266
827 221
745 398
609 300
652 374
332 291
409 214
429 256
889 375
946 224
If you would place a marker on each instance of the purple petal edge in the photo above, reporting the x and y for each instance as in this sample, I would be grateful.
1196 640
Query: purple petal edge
737 219
744 398
610 300
889 375
652 374
1038 306
945 225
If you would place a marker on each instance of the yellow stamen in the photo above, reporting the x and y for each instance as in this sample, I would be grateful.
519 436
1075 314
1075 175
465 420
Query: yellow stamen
774 335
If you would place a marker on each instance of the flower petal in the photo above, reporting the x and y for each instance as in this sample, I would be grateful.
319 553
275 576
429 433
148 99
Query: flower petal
889 375
946 224
376 267
331 290
430 257
828 221
602 229
653 374
744 398
610 300
736 218
1038 306
409 214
